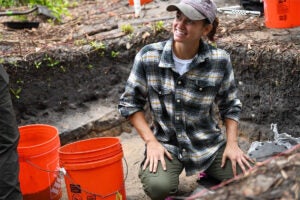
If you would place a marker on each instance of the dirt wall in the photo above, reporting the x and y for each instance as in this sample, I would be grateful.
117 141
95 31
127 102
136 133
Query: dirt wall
268 81
269 85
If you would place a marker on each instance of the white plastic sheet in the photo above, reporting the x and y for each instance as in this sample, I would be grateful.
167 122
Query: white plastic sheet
282 139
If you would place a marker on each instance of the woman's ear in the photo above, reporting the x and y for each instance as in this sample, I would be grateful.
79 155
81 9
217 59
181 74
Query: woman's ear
207 29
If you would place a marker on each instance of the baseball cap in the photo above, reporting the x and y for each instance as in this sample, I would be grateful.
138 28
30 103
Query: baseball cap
196 9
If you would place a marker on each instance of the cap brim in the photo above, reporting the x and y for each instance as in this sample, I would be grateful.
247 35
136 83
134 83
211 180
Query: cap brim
187 10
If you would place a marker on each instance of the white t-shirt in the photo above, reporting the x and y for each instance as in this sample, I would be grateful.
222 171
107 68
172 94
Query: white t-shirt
181 66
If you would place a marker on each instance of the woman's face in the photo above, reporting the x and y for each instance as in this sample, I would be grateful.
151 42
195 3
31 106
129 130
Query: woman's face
188 31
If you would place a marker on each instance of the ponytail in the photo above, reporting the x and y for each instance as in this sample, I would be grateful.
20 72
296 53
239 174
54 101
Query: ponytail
211 34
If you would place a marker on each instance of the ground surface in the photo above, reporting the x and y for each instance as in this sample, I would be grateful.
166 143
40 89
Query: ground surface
64 68
64 76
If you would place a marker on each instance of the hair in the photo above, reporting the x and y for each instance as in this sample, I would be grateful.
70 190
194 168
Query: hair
211 34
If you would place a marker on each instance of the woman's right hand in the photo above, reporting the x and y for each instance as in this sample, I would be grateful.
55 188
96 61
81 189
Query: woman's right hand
155 150
155 153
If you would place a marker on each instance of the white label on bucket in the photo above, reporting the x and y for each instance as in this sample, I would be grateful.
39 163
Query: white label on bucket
55 188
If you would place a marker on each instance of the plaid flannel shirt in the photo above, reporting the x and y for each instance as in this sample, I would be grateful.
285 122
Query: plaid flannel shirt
184 117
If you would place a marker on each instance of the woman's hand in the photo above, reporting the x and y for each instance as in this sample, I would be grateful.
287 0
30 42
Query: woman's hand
232 150
236 156
155 153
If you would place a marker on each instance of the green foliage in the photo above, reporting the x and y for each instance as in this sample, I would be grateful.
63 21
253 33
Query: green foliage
58 7
20 17
7 3
97 46
90 66
20 81
63 69
158 26
114 54
37 64
14 63
80 42
50 61
16 92
127 28
51 22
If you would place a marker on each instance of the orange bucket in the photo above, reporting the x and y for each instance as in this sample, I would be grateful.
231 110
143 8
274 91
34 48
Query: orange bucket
39 162
142 2
282 13
94 169
84 151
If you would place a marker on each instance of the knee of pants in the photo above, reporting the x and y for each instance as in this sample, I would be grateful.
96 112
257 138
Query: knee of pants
159 188
162 183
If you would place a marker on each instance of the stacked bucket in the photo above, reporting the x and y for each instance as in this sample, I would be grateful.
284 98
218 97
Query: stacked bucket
92 168
39 162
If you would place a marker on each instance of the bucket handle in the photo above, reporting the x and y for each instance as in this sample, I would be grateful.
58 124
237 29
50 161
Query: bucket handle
117 193
40 168
62 172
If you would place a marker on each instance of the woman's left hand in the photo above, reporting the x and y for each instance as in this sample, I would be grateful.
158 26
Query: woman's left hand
236 156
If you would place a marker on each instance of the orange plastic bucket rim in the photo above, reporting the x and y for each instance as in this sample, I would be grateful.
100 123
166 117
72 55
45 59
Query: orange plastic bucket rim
42 142
90 150
86 146
93 164
88 158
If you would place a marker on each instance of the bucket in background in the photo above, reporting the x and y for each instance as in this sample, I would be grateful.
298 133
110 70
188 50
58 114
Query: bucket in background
94 169
282 13
131 2
39 162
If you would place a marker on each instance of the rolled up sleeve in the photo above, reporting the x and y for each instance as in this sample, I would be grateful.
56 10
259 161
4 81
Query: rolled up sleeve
229 104
134 97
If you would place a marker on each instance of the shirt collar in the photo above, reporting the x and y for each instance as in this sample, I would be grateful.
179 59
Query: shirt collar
167 61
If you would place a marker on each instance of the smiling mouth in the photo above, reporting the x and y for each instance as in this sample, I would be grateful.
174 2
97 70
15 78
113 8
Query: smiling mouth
179 32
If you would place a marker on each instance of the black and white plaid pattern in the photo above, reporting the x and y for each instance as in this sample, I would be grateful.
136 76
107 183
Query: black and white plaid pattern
182 106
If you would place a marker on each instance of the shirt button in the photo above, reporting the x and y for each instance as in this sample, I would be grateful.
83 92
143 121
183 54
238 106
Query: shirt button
200 89
179 82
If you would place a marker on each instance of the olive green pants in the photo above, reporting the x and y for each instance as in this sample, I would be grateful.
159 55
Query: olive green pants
162 184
